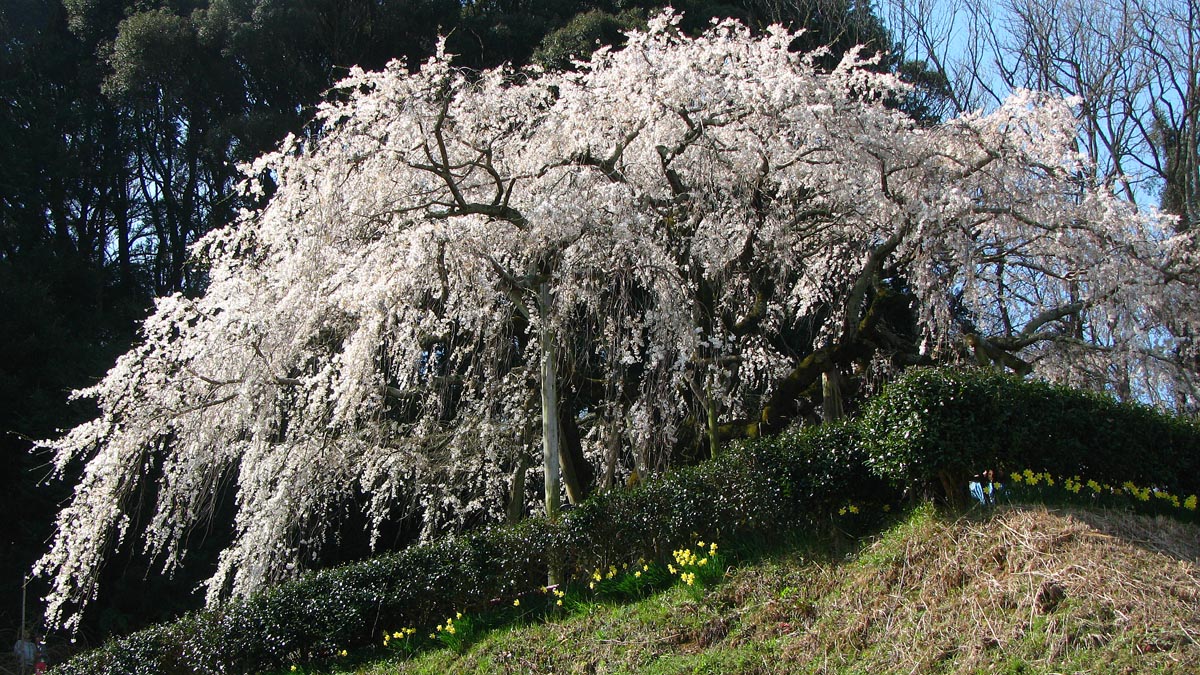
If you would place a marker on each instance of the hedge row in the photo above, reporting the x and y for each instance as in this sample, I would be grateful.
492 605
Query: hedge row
753 488
931 426
941 426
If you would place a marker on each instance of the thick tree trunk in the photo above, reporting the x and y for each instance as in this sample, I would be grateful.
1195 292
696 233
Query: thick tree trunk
516 494
781 406
831 395
714 436
577 473
612 454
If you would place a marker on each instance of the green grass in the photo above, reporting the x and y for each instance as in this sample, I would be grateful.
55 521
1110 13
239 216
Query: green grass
1021 590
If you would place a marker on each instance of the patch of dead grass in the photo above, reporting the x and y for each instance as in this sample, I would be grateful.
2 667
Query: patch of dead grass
1045 587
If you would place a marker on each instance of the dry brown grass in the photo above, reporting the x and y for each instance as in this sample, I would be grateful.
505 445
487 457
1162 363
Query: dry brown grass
1047 588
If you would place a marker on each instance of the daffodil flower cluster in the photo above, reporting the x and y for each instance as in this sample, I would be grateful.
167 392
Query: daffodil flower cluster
402 634
688 561
598 575
1032 478
455 633
447 632
449 628
1076 484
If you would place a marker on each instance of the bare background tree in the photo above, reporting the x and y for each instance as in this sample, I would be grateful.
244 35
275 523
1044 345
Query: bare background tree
1134 67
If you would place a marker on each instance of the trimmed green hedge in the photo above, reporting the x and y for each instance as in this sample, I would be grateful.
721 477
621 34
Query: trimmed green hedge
930 425
942 426
757 487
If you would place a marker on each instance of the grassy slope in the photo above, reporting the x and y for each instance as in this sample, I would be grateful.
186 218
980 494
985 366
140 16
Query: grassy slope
1023 590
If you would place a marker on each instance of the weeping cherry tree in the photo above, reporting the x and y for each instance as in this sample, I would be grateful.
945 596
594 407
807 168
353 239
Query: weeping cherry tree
688 238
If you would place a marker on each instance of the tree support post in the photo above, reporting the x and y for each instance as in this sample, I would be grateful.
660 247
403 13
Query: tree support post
551 434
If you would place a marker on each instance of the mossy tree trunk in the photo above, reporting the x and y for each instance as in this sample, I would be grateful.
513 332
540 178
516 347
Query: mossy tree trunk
832 386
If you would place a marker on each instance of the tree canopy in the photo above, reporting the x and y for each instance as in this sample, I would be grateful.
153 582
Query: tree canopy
120 127
684 241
